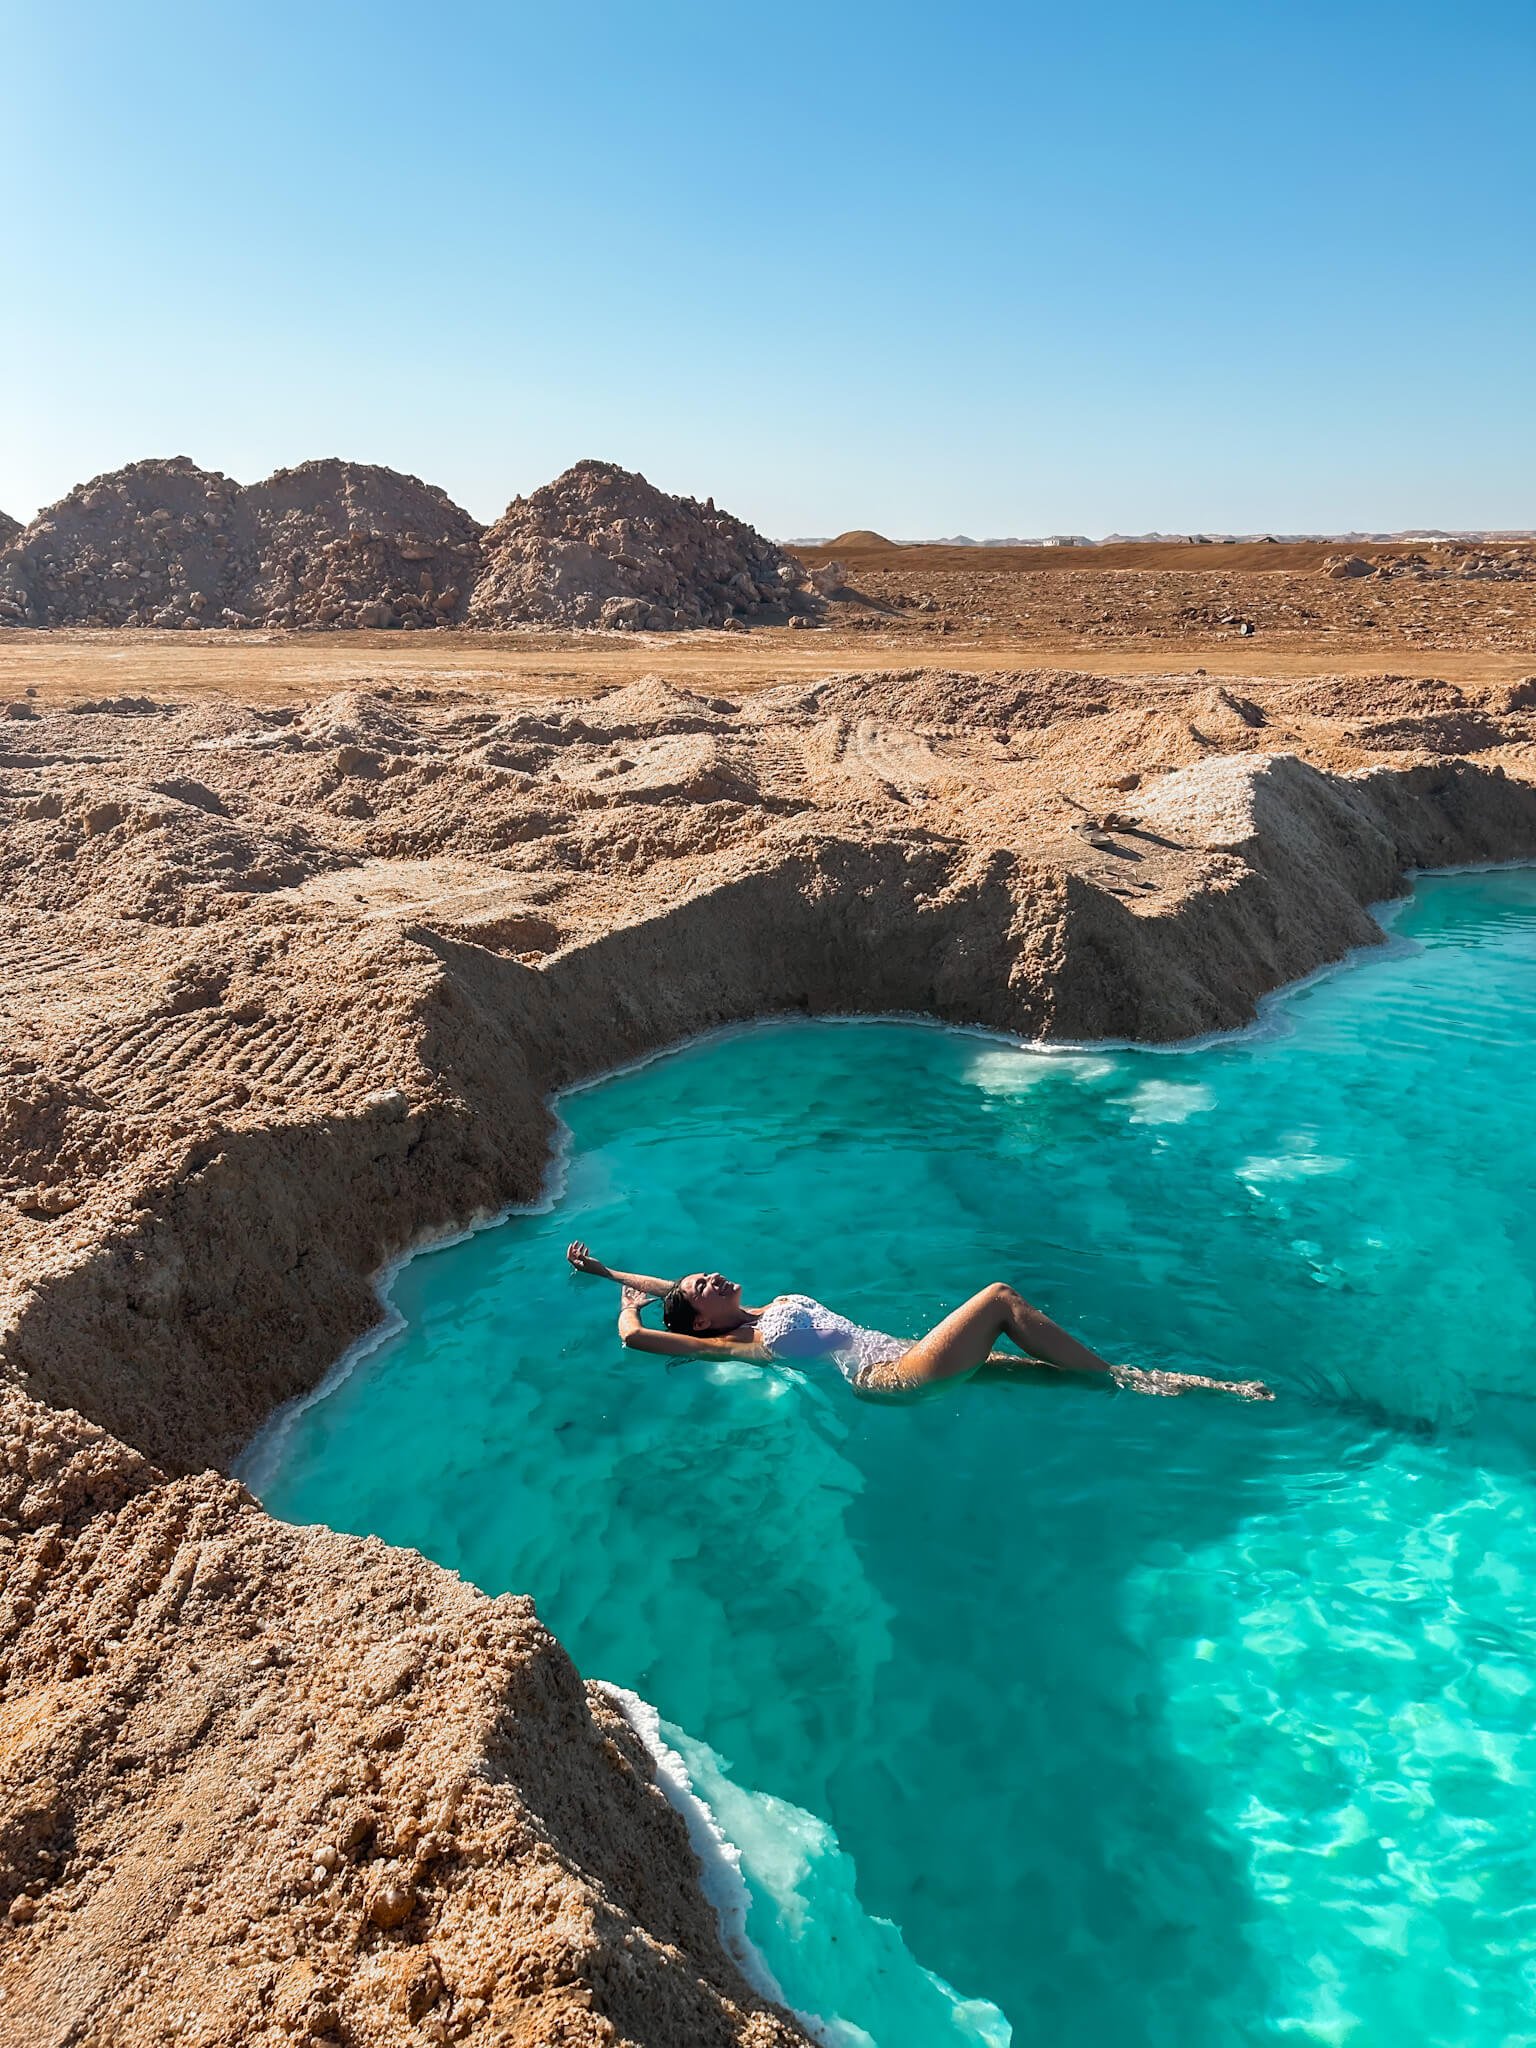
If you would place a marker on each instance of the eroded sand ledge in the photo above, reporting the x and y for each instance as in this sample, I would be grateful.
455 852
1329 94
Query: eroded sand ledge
284 994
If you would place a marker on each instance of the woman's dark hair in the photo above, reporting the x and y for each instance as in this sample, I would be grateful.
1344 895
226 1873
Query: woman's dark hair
677 1311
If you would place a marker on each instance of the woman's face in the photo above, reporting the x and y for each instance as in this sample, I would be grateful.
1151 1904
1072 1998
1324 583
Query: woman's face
716 1301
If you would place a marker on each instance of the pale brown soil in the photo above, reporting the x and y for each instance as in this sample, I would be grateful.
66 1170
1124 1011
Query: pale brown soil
287 977
71 667
1417 601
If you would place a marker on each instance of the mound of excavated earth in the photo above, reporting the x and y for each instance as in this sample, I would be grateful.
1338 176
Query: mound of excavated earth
282 991
602 547
157 543
348 544
169 544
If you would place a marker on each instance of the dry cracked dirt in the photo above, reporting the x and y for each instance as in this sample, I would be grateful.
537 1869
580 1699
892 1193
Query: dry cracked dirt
287 982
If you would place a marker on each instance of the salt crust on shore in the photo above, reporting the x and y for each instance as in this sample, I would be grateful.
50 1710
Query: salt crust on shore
286 993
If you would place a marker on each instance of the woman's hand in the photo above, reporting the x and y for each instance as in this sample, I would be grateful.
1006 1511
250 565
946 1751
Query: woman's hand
582 1260
631 1301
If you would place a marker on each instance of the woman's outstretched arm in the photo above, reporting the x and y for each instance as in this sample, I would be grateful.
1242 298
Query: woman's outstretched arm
582 1261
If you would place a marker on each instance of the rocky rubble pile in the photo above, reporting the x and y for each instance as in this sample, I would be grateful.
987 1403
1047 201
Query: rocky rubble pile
155 544
1497 565
168 544
602 547
9 528
1512 564
349 544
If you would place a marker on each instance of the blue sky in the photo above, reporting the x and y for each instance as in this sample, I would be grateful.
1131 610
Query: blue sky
999 269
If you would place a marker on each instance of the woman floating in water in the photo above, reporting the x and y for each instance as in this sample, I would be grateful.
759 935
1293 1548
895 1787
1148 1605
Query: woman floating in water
703 1317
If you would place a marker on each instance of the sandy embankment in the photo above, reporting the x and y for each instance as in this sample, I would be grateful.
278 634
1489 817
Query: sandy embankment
286 990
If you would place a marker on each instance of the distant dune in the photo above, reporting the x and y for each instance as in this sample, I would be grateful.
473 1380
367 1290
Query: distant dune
1407 536
865 552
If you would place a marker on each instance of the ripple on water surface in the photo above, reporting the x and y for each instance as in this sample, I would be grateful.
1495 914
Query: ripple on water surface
1110 1720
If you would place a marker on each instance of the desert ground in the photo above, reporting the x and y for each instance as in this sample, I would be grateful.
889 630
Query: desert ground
299 931
1458 613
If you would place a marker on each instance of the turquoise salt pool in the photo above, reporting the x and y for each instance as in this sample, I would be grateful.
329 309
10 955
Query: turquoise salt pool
1105 1719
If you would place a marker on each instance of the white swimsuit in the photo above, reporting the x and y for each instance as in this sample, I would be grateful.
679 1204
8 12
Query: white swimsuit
793 1327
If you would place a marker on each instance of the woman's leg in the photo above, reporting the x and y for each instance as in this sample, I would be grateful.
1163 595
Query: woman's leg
963 1342
965 1337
